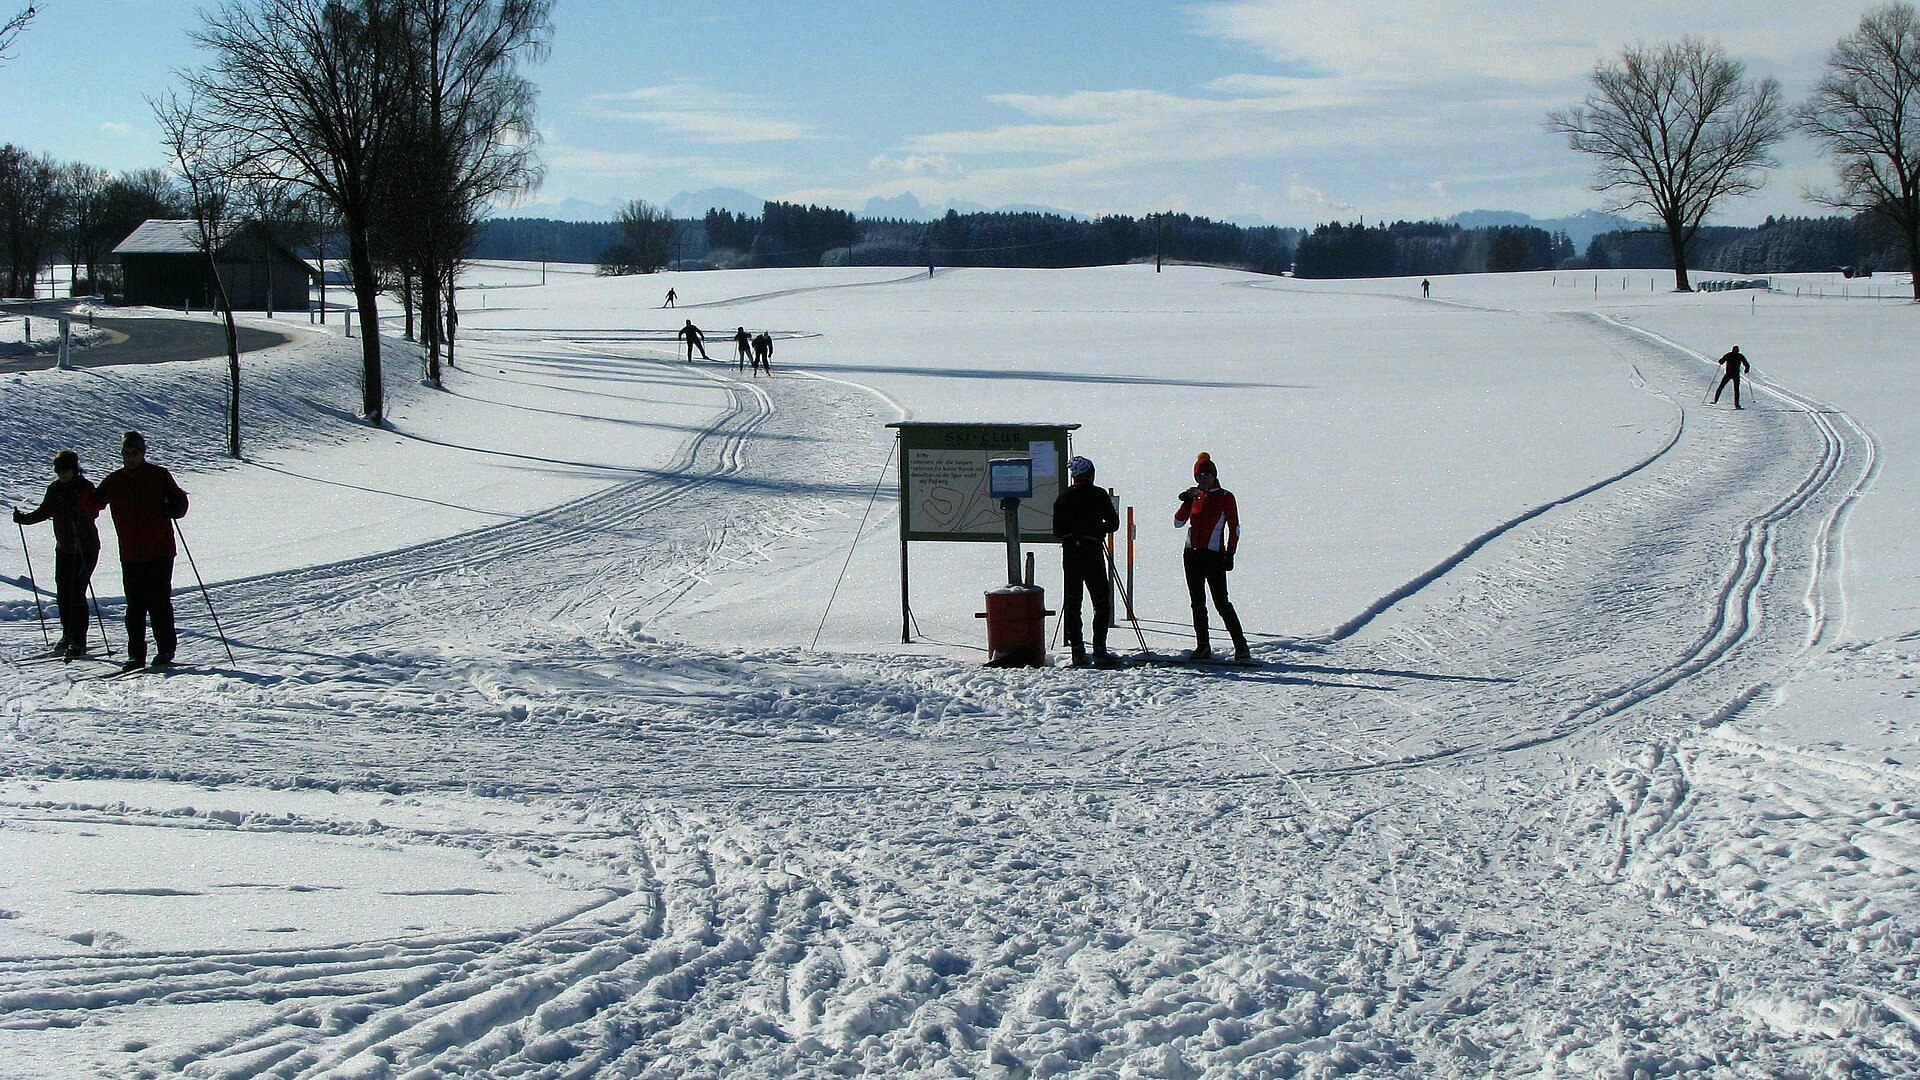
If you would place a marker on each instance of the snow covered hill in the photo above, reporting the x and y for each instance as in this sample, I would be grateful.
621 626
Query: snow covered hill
570 732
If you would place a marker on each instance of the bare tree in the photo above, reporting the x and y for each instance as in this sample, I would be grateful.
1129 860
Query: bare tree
1674 130
308 89
88 237
10 29
1866 111
467 139
646 237
32 205
207 158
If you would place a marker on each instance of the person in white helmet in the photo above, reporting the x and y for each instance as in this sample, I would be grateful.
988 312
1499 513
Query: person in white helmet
1083 518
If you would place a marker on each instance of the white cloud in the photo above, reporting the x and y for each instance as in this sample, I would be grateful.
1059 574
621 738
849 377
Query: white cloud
699 113
915 165
116 129
1399 43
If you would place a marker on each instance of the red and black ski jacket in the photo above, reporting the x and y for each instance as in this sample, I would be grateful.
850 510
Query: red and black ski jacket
145 500
1212 519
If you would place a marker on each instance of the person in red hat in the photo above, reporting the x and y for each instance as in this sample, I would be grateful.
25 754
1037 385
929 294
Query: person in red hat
1212 520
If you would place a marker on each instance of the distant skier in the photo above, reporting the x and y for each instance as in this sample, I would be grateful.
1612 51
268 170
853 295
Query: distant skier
1735 365
1083 518
145 502
670 298
76 548
1212 517
1426 287
695 340
763 352
743 348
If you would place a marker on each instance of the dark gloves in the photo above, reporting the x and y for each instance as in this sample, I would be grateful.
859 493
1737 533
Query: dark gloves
19 518
1226 561
1187 496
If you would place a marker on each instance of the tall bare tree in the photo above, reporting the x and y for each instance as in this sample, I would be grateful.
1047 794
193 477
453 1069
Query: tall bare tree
207 158
1675 130
309 89
467 139
1866 111
646 240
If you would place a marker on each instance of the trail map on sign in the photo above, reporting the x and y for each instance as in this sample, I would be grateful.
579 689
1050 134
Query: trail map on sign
944 485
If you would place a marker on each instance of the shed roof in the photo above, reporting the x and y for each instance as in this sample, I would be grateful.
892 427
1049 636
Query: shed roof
162 236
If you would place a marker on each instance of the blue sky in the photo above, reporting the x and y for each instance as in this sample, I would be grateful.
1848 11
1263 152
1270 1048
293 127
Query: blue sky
1281 111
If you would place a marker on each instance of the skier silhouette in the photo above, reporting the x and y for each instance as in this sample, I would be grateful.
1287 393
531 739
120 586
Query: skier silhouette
695 340
670 297
763 353
743 348
1735 363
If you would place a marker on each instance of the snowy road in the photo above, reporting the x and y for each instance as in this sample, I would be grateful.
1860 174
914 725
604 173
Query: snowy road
1488 825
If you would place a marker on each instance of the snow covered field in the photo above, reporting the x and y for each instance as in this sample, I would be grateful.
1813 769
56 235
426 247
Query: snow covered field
1585 743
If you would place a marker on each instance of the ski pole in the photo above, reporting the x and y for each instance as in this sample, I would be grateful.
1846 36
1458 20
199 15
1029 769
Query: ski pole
1126 595
104 638
33 588
203 590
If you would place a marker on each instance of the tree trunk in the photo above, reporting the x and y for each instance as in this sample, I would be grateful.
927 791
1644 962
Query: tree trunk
1912 230
366 293
430 320
233 358
452 323
1679 246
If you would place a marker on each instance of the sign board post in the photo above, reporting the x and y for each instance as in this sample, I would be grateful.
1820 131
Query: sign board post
947 488
1010 480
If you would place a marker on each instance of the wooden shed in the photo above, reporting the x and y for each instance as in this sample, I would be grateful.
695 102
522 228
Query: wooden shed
163 267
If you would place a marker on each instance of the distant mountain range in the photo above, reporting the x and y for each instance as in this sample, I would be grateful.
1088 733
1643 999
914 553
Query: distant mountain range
693 205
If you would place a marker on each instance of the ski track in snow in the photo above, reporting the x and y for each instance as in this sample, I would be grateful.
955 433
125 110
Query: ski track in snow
1162 872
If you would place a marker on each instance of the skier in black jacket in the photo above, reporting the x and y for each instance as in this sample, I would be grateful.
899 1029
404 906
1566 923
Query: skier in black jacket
1735 363
76 548
1083 518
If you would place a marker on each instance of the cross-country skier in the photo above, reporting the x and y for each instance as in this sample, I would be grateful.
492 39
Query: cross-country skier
1083 518
76 547
1212 517
1735 364
763 352
743 348
145 502
695 340
671 296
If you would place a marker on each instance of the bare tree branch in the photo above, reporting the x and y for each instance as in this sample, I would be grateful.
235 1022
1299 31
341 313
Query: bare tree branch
10 30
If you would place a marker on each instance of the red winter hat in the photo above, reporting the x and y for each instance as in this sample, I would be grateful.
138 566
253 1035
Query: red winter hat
1204 466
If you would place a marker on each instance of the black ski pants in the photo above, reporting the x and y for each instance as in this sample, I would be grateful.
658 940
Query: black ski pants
1729 377
1207 572
72 570
149 587
1085 564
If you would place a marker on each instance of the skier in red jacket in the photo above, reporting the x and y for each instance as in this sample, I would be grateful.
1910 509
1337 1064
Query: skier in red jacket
1212 518
145 501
